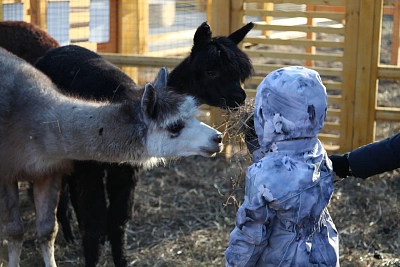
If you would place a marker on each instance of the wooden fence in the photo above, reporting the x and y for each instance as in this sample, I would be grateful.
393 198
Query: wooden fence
348 64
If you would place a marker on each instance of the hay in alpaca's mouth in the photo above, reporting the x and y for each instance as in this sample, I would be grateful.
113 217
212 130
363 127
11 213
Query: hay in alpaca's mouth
237 122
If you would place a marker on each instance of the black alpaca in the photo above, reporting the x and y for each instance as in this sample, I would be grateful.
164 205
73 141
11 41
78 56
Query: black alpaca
212 73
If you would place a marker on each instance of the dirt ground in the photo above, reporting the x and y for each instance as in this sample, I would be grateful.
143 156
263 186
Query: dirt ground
184 212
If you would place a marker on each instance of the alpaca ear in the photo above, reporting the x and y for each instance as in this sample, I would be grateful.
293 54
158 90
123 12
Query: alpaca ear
149 101
203 34
239 35
162 79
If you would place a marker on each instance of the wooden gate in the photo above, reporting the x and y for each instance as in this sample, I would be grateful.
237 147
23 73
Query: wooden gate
349 66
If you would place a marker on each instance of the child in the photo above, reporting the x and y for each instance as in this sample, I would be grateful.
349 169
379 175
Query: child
284 220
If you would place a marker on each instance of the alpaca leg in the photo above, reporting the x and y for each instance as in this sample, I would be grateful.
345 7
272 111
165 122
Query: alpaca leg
64 212
45 193
121 183
11 222
92 208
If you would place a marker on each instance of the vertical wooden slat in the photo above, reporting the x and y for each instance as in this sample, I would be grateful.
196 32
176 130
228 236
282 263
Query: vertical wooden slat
220 17
375 59
112 45
349 74
367 61
27 8
209 11
237 15
395 34
1 10
267 19
38 13
310 36
220 24
133 29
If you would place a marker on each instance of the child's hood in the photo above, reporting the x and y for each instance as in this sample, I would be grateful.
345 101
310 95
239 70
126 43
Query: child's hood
290 103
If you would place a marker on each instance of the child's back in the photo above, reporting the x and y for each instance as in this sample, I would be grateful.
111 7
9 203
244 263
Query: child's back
283 220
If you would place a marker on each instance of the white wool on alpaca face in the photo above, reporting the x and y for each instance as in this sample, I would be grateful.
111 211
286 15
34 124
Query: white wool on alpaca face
290 103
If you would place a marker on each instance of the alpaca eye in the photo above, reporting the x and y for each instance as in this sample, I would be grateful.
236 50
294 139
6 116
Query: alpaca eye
176 127
211 73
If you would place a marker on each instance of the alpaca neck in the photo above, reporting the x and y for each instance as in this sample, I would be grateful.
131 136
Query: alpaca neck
180 77
91 131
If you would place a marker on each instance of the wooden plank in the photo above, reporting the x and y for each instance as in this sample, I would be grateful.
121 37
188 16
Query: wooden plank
220 25
79 33
288 55
298 28
186 34
77 17
387 114
332 72
310 36
331 126
329 138
394 59
350 53
112 45
1 10
292 14
388 72
315 2
334 99
133 30
333 112
143 61
236 16
294 42
268 7
38 13
366 75
328 84
220 17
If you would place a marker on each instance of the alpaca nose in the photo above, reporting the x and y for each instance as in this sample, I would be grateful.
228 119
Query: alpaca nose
218 138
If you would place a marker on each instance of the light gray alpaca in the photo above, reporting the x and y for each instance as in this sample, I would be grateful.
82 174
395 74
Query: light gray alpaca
42 130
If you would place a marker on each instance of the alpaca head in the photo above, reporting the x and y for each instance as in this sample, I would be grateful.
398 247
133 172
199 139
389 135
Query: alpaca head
219 67
172 128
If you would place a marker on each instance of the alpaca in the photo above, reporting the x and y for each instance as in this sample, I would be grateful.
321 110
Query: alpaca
25 40
42 131
30 42
211 73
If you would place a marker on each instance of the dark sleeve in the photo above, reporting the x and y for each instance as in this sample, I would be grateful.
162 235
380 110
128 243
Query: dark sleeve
376 157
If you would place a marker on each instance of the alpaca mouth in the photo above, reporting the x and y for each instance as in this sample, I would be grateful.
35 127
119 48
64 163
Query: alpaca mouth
210 152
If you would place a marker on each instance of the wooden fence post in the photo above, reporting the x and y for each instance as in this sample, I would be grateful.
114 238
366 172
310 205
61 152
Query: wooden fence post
220 24
38 13
367 71
236 17
349 73
220 17
394 60
133 29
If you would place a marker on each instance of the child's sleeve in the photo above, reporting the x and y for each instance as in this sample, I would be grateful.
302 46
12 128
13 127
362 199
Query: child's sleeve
250 236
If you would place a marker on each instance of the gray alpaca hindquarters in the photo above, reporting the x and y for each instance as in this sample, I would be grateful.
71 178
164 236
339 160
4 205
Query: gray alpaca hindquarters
30 42
42 130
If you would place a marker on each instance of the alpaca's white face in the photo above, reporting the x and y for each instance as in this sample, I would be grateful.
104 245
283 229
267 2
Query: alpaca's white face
183 135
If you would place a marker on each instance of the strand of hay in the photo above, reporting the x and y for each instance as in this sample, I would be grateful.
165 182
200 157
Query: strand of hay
238 121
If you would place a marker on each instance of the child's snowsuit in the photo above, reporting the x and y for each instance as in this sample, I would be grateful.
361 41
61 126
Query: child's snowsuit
284 220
